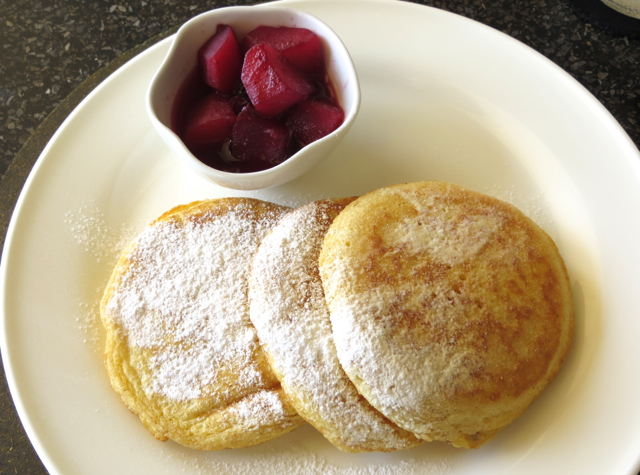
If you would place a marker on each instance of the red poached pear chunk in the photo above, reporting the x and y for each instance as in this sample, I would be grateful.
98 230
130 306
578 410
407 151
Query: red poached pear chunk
300 46
313 118
220 60
272 83
259 140
208 122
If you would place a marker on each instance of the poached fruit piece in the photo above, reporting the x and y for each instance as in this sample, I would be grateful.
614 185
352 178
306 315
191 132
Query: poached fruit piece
220 60
246 126
208 122
258 141
313 118
272 83
299 45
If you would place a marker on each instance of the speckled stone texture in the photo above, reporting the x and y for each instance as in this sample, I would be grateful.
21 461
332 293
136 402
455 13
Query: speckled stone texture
50 47
52 53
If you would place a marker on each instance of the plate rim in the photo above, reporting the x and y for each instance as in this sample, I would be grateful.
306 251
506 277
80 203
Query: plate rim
4 344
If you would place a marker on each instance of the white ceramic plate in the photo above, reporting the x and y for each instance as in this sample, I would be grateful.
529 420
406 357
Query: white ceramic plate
443 98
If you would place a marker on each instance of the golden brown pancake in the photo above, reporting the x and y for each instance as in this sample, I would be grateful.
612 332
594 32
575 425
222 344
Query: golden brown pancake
181 350
451 310
288 309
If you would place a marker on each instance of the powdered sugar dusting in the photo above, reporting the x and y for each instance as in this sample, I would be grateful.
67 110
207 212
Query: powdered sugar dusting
301 462
434 231
103 243
372 323
90 230
289 311
287 456
265 405
183 297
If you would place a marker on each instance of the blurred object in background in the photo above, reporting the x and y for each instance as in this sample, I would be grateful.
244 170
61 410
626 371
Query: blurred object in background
628 7
617 17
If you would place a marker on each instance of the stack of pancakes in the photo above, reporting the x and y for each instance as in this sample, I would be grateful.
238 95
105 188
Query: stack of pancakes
417 312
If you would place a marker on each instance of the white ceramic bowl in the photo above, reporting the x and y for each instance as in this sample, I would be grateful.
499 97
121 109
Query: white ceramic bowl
181 61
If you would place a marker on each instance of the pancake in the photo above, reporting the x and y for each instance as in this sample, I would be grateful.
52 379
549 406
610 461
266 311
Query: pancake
451 310
181 350
291 318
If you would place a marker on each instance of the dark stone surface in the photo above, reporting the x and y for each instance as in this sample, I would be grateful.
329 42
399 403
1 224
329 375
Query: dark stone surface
52 53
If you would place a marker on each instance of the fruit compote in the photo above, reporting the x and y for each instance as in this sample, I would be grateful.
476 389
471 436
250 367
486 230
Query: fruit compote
250 105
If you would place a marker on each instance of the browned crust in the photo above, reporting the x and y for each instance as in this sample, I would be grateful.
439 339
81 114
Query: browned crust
323 394
503 313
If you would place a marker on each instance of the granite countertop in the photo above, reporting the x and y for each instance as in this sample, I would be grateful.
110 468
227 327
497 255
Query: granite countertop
54 52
